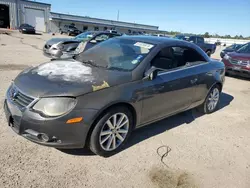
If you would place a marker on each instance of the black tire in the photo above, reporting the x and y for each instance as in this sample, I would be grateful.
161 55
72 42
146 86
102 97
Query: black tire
61 32
69 34
204 108
94 143
208 53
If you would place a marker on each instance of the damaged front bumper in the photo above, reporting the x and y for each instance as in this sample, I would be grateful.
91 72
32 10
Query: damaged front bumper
53 132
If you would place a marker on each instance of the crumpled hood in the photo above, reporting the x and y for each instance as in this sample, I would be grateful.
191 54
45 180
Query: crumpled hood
67 78
240 56
57 40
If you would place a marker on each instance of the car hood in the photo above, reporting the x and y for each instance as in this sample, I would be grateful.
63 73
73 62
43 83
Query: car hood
67 78
240 56
57 40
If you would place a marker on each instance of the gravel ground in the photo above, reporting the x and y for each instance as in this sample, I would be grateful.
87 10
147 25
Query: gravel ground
206 150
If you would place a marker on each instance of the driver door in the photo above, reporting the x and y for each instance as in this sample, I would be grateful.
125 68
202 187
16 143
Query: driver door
170 92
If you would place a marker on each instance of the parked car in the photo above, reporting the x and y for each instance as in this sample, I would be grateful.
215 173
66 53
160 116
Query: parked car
231 48
26 28
102 94
70 30
199 41
238 62
67 47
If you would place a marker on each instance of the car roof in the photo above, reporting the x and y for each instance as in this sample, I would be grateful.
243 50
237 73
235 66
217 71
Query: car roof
151 39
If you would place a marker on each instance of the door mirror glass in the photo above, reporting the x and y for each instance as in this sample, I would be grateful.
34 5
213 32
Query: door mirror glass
151 73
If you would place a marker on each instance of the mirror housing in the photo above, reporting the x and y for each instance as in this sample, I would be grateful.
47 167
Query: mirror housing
151 73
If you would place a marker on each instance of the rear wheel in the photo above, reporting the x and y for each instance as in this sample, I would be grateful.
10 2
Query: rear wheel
212 100
111 132
208 53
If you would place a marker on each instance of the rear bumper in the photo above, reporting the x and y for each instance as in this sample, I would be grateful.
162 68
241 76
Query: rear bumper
31 126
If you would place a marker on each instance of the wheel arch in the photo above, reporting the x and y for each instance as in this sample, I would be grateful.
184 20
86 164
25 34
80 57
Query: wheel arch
130 107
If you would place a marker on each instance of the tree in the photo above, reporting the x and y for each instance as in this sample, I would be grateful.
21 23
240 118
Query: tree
206 35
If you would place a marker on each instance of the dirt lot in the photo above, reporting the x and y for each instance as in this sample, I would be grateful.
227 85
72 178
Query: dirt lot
209 151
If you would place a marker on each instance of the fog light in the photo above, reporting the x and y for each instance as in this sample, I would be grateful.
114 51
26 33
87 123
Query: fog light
43 137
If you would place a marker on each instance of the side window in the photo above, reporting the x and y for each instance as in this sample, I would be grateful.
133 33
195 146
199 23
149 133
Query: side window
176 57
192 39
200 40
102 37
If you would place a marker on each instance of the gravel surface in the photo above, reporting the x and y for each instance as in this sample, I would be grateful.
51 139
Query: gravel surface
206 150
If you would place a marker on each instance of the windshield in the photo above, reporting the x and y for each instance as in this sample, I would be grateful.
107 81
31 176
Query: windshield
72 27
117 53
181 37
85 36
26 25
244 49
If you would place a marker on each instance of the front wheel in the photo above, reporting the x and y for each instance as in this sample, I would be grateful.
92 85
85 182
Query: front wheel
209 53
111 132
212 100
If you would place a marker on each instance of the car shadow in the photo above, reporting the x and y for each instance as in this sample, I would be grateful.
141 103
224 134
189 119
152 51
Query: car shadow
159 127
239 77
33 33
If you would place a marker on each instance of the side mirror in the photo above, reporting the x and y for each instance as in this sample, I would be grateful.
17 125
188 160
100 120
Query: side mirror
93 41
151 73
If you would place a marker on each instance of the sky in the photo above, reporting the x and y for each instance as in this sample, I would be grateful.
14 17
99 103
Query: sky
187 16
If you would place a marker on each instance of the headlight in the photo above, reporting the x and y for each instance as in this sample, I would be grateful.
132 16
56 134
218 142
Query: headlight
248 64
227 57
55 106
24 29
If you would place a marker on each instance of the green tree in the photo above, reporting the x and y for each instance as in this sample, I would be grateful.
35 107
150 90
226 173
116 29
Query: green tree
206 35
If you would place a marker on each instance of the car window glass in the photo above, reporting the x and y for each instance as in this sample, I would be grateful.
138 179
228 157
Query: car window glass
117 53
200 40
192 39
244 49
177 57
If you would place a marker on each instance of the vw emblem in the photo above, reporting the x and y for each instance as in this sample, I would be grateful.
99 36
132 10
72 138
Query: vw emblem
14 93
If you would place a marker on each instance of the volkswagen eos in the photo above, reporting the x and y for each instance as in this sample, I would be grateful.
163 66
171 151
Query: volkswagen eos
98 97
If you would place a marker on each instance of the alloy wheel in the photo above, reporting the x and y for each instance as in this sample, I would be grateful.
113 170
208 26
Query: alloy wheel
114 132
213 99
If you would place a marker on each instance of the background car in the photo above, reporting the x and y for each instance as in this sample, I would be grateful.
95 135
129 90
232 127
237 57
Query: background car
26 28
65 47
70 30
101 95
199 41
238 62
231 48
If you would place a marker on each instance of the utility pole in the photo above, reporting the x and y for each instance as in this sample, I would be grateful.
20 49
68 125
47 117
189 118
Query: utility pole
118 14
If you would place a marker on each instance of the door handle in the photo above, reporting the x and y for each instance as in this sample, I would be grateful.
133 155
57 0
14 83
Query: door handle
194 81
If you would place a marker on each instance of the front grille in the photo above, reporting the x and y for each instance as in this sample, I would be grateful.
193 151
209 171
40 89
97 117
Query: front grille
19 98
234 61
238 62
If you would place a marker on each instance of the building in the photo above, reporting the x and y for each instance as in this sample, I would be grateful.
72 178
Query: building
15 12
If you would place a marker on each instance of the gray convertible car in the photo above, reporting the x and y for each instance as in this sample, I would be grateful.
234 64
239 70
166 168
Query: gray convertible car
101 95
